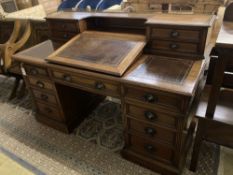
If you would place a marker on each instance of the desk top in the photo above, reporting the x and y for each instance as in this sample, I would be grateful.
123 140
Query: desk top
151 18
225 36
155 72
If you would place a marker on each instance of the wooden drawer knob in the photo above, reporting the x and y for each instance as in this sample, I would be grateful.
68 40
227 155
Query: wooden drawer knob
150 98
150 131
174 34
67 77
174 46
40 84
99 85
44 97
150 115
149 148
33 71
48 110
65 36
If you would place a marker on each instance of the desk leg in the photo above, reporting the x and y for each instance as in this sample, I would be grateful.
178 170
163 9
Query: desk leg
217 82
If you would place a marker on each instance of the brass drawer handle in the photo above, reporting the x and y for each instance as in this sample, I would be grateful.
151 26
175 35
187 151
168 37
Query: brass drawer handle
33 71
174 46
149 148
150 131
174 34
67 77
150 115
150 98
40 84
44 97
99 86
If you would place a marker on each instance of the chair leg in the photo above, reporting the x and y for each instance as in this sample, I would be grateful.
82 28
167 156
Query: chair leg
22 90
197 145
14 90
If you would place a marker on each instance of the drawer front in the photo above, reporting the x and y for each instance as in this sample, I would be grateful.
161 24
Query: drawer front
174 46
49 111
35 71
39 83
151 149
175 34
151 131
69 26
91 83
155 98
151 116
62 35
46 97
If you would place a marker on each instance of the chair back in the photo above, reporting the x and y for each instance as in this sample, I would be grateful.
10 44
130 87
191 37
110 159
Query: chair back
228 16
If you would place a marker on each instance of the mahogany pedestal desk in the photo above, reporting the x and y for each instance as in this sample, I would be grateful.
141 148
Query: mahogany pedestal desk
156 71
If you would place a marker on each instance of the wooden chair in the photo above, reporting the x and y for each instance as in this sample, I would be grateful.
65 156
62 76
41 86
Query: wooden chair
20 35
215 115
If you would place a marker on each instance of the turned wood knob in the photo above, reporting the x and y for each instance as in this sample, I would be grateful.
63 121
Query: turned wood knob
150 131
150 115
149 148
174 46
150 98
67 77
99 85
44 97
174 34
48 110
40 84
33 71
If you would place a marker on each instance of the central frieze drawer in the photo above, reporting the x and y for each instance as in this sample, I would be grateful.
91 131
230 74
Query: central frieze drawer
151 116
62 35
176 34
151 132
35 71
56 25
174 46
151 149
155 98
98 85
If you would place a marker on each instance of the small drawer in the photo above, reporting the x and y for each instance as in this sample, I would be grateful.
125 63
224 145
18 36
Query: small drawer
39 83
35 71
174 46
69 26
62 35
49 111
151 131
175 34
46 97
155 98
151 116
151 149
98 85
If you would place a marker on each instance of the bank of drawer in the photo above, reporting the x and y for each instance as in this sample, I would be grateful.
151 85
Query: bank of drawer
151 149
40 83
62 35
49 111
151 116
175 34
150 131
92 83
44 96
174 46
35 71
71 26
155 98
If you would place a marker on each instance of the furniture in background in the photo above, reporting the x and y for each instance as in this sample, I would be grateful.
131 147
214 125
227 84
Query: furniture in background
216 123
9 5
156 90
